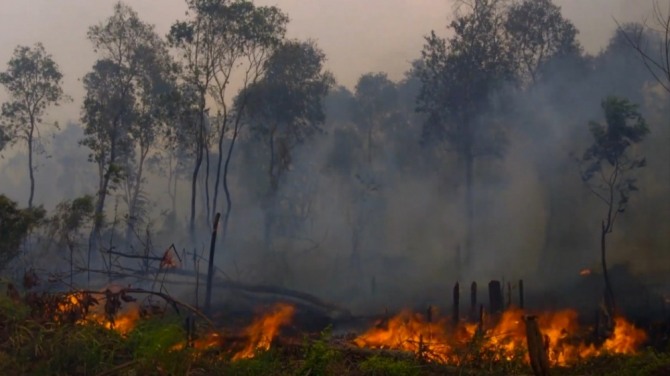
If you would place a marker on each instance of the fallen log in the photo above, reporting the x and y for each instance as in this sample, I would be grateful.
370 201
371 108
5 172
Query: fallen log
284 293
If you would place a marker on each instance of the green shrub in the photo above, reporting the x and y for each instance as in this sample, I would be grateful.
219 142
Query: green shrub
319 355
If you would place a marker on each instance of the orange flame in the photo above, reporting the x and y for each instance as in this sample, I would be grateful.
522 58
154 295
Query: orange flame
123 321
507 338
263 330
410 332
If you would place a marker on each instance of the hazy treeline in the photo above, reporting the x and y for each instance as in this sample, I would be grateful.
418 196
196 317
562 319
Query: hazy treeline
466 168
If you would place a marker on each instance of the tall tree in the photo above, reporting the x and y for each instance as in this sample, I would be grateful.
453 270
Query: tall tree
33 81
376 101
459 78
248 40
196 41
223 39
538 34
122 107
285 109
656 57
608 166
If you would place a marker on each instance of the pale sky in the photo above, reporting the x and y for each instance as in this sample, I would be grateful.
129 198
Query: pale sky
358 36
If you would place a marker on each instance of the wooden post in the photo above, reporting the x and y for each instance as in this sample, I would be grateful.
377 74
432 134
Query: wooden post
456 306
495 297
210 268
521 293
473 301
509 294
539 360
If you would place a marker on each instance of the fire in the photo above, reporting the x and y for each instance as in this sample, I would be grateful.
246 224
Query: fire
263 330
82 308
626 339
85 308
506 338
410 332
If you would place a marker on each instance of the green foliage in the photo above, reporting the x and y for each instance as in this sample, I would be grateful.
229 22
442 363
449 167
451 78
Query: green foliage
124 107
382 366
33 81
539 33
70 216
460 76
647 363
84 348
153 343
38 347
285 108
608 163
15 225
319 355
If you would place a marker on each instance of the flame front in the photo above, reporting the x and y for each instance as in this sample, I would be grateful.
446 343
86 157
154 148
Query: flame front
506 339
409 332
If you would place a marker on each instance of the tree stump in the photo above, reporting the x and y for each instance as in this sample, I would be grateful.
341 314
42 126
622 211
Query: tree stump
539 361
495 297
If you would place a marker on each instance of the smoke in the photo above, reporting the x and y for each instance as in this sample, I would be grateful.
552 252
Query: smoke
388 232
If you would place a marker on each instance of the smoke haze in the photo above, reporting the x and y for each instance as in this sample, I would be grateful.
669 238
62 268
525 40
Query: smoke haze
386 229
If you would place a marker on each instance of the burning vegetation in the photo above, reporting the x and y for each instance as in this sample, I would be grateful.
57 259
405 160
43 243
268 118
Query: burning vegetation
503 338
487 159
426 340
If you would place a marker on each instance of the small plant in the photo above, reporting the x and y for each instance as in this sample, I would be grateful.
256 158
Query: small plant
155 343
319 355
384 366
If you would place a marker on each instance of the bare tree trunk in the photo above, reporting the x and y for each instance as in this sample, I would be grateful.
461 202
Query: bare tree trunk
132 204
172 182
220 162
198 163
469 210
609 292
210 267
226 188
30 162
208 209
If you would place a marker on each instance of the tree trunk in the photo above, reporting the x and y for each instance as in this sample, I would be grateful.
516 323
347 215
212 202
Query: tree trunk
469 210
210 266
196 168
30 162
94 237
609 293
208 208
226 188
132 205
219 163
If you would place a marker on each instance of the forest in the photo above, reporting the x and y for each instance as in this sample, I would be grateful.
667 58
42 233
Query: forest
220 175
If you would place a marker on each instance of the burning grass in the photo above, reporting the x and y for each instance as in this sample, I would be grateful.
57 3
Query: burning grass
498 340
110 332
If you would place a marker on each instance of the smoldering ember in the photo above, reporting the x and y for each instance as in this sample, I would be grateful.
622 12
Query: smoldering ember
238 187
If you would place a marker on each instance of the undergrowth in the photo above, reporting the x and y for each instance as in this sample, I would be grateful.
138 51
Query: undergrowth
31 344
